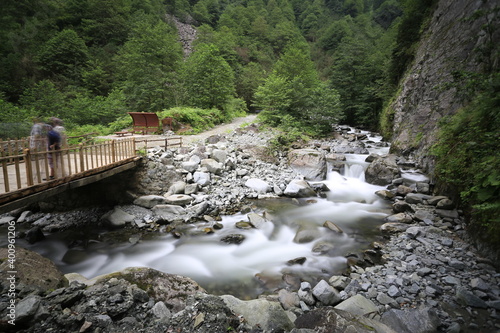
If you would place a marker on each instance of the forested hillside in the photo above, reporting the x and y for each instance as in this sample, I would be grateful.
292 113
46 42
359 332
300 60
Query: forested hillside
301 62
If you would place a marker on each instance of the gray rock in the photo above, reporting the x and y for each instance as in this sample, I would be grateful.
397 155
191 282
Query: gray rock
103 320
256 220
27 308
233 239
160 310
413 232
201 178
197 210
288 300
118 217
258 185
401 206
434 200
385 299
445 204
393 228
393 291
34 235
451 280
399 218
179 199
212 166
219 155
382 171
299 189
326 294
177 187
309 163
415 198
421 320
149 201
479 284
464 297
385 194
190 166
6 219
333 227
305 293
444 213
358 305
169 212
423 214
330 320
267 315
191 189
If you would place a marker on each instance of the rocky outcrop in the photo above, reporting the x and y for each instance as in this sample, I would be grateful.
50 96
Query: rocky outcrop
431 89
187 33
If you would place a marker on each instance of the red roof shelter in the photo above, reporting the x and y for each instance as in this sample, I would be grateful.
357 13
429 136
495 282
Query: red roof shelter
145 122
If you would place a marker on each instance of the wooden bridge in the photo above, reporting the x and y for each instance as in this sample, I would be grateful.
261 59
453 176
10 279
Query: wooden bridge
26 173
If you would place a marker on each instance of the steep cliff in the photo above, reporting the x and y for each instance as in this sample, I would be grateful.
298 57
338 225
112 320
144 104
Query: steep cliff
462 38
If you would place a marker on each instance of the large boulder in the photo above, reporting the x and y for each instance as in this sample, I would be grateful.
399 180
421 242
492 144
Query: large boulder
382 171
34 273
171 289
309 163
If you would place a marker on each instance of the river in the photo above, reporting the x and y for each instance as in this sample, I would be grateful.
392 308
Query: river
261 262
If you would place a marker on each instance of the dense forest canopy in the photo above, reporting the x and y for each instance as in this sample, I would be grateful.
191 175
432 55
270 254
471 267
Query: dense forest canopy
90 62
304 64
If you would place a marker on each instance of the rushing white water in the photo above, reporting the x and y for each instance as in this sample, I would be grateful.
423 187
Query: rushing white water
351 204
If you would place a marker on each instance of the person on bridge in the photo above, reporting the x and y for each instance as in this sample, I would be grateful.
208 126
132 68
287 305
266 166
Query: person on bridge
38 136
57 125
54 144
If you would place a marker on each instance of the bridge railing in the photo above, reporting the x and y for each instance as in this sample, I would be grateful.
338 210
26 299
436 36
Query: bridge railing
31 167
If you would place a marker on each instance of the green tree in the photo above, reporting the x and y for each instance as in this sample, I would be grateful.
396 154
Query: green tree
248 78
106 22
208 78
44 100
146 67
64 55
293 91
95 110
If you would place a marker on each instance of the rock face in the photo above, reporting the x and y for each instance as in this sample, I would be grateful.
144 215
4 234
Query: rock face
450 45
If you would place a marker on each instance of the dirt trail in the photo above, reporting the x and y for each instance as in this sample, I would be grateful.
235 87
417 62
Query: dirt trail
220 129
188 139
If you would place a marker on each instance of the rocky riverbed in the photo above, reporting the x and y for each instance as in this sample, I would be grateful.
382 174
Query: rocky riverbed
420 277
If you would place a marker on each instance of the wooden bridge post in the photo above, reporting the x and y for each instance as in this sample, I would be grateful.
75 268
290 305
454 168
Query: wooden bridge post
82 161
5 175
29 170
113 152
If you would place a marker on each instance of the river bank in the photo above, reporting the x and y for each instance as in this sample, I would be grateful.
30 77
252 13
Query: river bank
419 277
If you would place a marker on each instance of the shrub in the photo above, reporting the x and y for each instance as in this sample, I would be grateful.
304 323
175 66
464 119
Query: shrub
193 120
468 159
